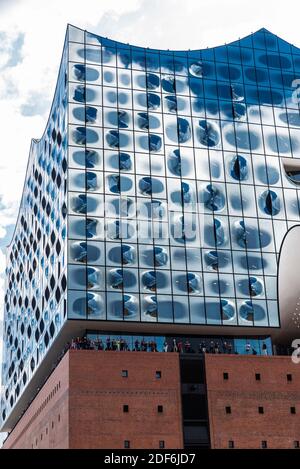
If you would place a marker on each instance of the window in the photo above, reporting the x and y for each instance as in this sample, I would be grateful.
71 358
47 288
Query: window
125 373
293 410
158 374
160 409
126 444
161 444
47 431
125 408
264 444
52 425
261 410
289 377
296 444
291 171
230 444
59 417
225 376
257 376
228 409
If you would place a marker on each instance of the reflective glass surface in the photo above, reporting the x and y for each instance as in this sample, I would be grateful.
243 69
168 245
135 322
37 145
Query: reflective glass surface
191 166
160 191
36 273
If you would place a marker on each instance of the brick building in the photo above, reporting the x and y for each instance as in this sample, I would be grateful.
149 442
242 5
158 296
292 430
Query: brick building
134 400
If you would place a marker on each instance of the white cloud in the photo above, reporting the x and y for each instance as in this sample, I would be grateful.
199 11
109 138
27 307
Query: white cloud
2 263
5 4
10 48
2 232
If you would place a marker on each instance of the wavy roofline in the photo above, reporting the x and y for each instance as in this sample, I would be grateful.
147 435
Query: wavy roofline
35 141
181 51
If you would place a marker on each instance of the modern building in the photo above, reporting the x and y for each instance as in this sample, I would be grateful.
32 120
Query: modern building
161 205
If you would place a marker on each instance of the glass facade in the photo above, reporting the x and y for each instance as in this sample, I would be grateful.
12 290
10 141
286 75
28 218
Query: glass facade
178 197
36 273
160 192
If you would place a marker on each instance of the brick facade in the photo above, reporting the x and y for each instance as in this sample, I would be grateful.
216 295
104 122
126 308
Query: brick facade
91 398
244 393
45 424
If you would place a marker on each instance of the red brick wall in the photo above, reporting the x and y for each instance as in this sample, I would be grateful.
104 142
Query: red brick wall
245 426
45 424
98 393
90 403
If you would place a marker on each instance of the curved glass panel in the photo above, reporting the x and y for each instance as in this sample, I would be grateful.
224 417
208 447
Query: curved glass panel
160 256
292 170
149 280
239 169
213 198
270 202
116 278
174 162
128 254
207 134
227 310
150 309
125 162
152 81
130 307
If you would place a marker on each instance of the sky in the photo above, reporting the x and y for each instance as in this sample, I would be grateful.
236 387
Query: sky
31 41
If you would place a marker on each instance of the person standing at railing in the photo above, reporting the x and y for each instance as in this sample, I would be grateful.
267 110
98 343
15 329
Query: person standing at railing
264 349
247 347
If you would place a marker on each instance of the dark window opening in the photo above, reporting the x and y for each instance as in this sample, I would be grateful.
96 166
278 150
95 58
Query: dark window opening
230 444
125 408
126 444
264 444
296 444
158 374
192 371
225 376
261 410
257 376
293 410
228 409
160 408
194 406
161 444
125 373
289 377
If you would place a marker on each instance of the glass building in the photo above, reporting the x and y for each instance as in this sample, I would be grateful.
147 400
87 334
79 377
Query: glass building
156 201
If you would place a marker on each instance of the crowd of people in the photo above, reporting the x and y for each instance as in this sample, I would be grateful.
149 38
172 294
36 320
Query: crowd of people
119 344
173 345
